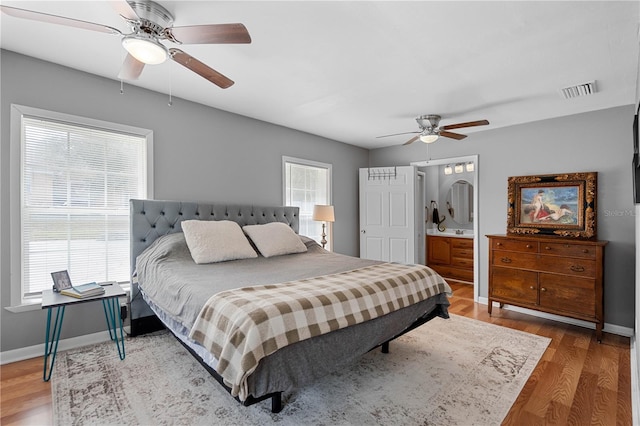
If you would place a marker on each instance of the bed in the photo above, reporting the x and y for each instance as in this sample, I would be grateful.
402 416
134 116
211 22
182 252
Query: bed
169 289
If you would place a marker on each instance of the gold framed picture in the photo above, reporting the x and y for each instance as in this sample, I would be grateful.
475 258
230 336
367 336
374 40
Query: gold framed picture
562 205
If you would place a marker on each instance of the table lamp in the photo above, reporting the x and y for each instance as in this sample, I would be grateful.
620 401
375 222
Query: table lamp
324 214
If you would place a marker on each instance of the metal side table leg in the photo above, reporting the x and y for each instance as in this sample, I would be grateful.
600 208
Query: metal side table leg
51 341
106 315
114 322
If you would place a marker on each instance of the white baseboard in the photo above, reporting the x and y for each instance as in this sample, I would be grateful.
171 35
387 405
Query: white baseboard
66 344
609 328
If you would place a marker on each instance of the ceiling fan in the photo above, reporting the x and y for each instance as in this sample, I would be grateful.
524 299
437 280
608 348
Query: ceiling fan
430 129
150 23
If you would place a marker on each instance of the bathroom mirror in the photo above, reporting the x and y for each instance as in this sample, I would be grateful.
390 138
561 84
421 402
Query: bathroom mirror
459 202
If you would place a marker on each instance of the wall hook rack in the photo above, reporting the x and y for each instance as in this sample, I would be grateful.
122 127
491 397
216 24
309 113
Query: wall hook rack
381 173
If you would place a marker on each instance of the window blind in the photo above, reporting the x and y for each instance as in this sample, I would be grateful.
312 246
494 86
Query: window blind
305 186
76 183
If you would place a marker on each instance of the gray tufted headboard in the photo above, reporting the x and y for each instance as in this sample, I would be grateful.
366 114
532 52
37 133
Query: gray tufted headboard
150 219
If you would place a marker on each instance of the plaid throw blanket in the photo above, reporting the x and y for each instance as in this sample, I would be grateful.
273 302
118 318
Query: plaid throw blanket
242 326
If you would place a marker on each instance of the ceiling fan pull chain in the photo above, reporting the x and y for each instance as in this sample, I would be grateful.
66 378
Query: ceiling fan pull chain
170 84
121 87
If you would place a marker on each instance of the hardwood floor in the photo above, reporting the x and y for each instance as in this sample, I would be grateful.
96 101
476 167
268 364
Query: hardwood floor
578 380
25 399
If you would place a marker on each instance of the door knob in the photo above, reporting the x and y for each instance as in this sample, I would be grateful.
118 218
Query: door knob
363 231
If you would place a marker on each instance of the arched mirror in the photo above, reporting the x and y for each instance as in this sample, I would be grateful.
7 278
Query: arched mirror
460 202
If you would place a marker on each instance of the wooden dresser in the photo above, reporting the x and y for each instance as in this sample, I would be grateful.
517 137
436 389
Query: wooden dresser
451 257
550 274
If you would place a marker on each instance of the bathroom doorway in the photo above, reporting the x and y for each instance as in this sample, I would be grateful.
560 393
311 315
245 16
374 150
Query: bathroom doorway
452 185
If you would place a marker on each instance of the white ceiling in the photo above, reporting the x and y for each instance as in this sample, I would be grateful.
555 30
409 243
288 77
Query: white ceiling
351 71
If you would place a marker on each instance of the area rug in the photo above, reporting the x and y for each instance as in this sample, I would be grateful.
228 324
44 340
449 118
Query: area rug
448 372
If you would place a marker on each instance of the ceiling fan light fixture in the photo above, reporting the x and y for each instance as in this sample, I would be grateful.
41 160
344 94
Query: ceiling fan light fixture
428 138
145 48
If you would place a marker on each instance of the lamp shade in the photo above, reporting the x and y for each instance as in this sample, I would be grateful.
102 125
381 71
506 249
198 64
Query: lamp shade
323 213
145 49
429 138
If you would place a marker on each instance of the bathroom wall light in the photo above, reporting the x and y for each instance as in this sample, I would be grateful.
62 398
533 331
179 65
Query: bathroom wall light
448 170
470 166
459 168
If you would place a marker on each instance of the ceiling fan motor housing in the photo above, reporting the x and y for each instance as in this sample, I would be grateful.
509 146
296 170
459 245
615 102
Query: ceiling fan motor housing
153 17
430 121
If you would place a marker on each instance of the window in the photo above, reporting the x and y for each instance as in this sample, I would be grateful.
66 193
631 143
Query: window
75 179
307 183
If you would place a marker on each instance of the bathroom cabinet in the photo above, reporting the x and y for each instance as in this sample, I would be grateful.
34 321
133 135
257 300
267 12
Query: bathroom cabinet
451 257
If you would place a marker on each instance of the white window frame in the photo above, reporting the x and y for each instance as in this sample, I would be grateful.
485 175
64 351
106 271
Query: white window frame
18 302
317 164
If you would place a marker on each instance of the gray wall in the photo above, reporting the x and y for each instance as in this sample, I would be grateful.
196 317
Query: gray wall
200 153
598 141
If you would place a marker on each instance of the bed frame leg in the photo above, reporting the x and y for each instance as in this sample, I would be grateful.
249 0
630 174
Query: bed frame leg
385 348
276 402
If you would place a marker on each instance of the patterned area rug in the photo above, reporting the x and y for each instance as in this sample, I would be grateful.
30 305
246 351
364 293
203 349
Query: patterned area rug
457 371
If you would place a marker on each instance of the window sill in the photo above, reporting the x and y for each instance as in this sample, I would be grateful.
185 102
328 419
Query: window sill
31 305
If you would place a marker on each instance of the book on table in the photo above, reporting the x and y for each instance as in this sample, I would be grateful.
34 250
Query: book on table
84 290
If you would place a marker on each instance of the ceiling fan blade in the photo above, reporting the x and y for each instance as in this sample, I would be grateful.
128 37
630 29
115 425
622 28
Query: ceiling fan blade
456 136
467 124
60 20
124 9
131 68
396 134
199 68
412 140
209 34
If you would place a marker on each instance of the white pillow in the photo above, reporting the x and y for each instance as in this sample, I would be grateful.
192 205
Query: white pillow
212 241
275 239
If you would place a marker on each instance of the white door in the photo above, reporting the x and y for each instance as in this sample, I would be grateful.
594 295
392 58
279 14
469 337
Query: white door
420 240
387 214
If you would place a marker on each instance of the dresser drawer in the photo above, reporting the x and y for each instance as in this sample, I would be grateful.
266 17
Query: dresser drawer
462 243
572 250
514 245
462 252
514 285
569 266
513 259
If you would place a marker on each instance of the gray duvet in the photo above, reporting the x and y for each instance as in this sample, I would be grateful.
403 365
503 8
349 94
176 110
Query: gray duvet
179 287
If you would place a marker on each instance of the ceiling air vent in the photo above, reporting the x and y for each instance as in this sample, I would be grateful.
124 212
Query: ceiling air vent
583 89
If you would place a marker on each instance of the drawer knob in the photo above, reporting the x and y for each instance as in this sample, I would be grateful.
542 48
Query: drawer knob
532 287
543 289
528 245
577 268
505 260
547 248
498 244
585 250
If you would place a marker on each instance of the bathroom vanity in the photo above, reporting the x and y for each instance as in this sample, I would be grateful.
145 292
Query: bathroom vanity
451 255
